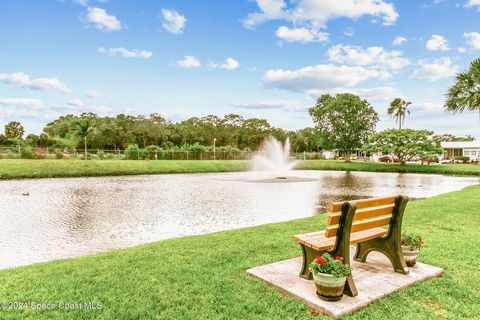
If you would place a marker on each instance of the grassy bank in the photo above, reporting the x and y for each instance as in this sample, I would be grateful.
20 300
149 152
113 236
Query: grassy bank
18 169
203 277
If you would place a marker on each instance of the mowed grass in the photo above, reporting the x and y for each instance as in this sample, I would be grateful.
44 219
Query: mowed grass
18 169
203 277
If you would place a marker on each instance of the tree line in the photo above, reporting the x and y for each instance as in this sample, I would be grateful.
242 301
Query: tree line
90 131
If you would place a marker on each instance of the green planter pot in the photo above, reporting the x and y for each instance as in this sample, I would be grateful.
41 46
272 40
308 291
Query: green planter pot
329 288
410 255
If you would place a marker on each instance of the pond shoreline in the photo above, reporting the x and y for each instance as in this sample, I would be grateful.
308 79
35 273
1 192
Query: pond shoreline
35 169
134 282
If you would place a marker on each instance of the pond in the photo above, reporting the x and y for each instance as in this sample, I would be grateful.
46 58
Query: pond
63 218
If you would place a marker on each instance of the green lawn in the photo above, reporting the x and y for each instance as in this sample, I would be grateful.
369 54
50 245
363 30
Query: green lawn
203 277
16 169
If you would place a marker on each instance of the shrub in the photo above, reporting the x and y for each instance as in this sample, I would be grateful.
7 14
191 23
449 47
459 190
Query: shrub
464 159
27 153
101 155
132 152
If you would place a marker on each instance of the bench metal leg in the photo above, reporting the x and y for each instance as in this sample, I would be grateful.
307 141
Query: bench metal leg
390 245
308 254
385 246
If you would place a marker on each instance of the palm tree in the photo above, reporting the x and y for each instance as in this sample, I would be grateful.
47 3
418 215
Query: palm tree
83 128
399 109
465 93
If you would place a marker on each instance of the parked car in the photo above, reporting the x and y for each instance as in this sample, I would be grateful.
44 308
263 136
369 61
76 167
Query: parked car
388 159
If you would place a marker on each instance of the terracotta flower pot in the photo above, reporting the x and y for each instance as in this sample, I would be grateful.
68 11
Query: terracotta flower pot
329 288
410 255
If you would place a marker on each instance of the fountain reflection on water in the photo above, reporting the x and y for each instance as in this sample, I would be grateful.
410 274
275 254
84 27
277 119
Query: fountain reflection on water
274 158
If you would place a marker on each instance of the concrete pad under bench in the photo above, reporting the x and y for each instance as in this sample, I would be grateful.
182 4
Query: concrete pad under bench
374 280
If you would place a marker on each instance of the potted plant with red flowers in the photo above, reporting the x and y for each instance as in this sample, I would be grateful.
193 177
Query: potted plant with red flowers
411 245
330 274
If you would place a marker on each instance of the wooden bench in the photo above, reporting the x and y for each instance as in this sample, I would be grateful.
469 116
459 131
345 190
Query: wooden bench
372 224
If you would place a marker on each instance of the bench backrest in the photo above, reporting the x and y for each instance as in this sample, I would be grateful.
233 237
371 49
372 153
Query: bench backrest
370 213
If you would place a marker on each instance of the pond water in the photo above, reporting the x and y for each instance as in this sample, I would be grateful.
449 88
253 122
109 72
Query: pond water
73 217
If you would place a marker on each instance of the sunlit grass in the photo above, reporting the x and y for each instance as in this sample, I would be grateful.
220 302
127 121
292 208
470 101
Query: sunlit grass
203 277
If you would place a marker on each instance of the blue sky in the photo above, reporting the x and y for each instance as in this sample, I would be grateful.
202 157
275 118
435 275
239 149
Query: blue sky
264 58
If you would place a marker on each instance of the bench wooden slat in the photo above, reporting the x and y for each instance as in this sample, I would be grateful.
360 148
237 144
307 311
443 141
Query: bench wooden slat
364 213
318 241
337 206
361 225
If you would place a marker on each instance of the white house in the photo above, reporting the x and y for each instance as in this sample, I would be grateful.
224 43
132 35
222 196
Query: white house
455 149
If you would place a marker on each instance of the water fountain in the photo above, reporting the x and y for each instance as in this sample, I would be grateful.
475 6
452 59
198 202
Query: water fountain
274 158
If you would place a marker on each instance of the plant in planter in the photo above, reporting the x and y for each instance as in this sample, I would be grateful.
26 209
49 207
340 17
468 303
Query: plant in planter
330 274
411 245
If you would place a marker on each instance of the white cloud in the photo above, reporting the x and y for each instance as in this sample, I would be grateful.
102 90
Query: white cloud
173 21
189 62
25 102
377 94
230 64
286 105
398 41
437 43
23 80
76 102
436 70
376 57
315 80
301 34
94 94
473 39
126 53
461 50
317 13
81 2
473 3
102 20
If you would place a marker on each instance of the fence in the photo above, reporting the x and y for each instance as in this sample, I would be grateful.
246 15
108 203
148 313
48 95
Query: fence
19 152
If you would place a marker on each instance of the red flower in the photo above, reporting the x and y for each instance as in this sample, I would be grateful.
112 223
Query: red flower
321 261
339 258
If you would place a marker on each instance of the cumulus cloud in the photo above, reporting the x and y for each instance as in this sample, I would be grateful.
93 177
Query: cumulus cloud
473 39
286 105
377 93
23 80
230 65
302 34
473 4
317 13
76 102
126 53
173 21
437 43
25 102
94 94
102 20
376 57
398 41
188 62
461 50
436 70
315 80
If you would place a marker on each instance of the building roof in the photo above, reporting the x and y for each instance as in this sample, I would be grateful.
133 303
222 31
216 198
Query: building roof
460 144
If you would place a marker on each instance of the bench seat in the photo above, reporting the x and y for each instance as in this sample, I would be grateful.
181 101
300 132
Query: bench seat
318 240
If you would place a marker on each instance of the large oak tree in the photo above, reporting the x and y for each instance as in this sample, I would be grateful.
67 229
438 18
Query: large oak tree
344 120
